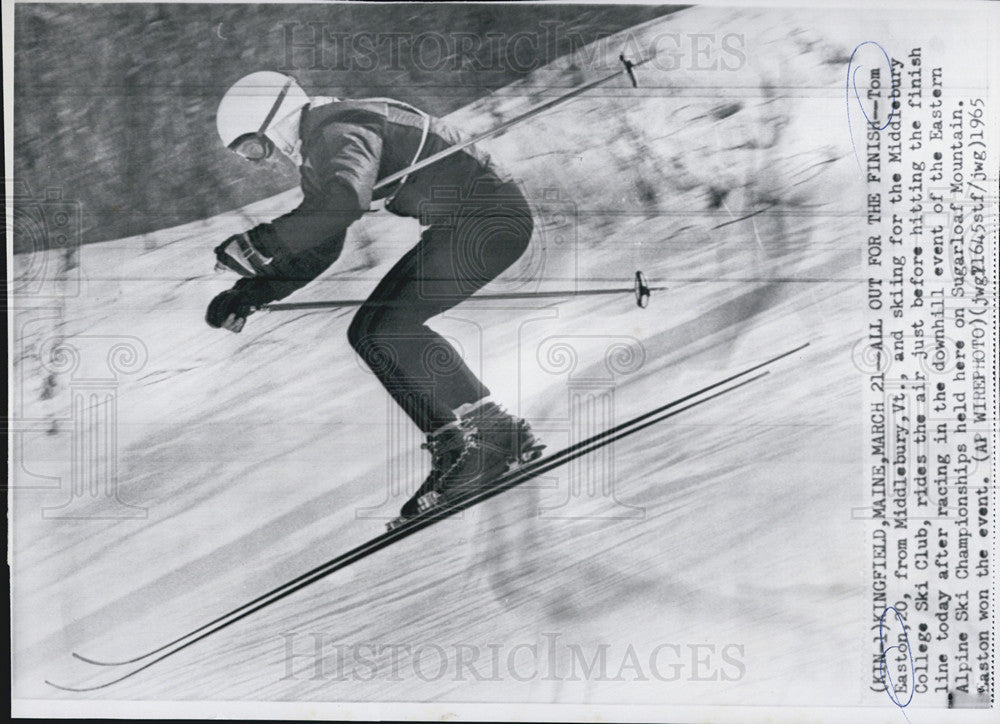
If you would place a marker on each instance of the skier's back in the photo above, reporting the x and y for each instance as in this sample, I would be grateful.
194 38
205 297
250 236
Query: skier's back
343 148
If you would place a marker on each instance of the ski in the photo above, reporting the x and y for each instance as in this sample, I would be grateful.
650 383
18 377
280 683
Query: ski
424 519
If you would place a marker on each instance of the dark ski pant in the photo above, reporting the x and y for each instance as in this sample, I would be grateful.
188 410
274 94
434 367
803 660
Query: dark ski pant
468 244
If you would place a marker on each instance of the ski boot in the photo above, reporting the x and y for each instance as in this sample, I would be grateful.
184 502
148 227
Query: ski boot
498 444
502 433
468 454
449 447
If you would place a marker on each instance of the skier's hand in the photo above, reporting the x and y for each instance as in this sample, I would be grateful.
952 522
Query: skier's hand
229 310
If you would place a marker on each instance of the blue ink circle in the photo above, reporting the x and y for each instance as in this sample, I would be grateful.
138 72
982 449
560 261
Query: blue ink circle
852 85
884 672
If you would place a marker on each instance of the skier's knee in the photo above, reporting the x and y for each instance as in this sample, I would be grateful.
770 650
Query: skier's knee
373 321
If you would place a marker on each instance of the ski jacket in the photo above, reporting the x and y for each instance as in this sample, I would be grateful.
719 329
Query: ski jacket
347 146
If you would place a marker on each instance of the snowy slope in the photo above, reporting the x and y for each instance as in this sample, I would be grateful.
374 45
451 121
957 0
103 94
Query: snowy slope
257 456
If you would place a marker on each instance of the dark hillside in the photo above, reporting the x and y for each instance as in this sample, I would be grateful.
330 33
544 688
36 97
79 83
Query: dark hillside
132 138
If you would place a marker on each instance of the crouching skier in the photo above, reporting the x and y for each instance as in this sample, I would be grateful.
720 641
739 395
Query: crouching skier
342 148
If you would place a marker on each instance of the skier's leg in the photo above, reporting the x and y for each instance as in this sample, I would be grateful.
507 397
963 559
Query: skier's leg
416 365
423 372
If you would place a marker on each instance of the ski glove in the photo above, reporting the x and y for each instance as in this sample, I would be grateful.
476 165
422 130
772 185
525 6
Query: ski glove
240 253
232 302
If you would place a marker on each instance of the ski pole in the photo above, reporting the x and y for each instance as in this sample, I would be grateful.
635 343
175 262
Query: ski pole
434 158
639 289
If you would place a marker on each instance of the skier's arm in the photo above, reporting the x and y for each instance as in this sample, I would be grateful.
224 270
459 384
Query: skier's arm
337 178
290 273
291 251
285 276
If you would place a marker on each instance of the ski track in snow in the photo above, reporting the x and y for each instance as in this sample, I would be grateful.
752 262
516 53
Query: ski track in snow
256 455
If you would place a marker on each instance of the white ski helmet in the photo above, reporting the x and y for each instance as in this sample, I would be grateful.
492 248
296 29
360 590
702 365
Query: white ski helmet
253 104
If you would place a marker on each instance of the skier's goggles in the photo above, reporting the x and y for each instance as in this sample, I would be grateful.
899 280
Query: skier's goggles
253 146
256 146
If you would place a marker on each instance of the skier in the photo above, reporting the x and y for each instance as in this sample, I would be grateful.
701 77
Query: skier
342 147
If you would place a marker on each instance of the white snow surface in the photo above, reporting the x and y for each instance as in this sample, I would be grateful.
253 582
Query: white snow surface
260 455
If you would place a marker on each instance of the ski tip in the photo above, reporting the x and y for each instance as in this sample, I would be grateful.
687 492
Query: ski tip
61 687
78 689
95 662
